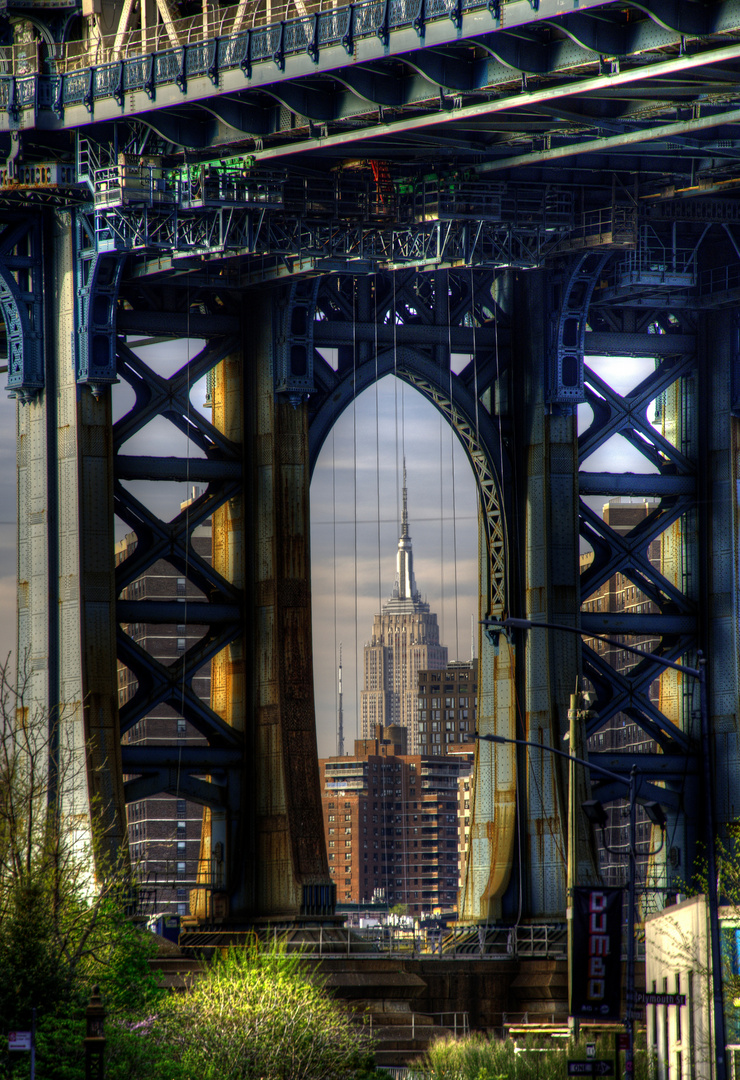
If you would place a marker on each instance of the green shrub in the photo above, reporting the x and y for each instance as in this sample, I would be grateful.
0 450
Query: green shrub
479 1058
256 1015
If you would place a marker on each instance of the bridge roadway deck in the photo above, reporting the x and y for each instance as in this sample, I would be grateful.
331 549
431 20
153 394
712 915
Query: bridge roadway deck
327 79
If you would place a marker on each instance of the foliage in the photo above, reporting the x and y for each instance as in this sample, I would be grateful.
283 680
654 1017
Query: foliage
136 1050
479 1058
256 1013
61 929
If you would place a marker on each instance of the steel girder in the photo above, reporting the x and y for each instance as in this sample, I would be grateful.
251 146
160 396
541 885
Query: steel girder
300 63
667 584
21 303
341 223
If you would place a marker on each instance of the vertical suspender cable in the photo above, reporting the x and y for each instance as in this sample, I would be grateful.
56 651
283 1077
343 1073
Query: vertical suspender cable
354 462
452 465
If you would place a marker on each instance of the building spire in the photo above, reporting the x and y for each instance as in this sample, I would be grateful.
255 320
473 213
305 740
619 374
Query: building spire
405 585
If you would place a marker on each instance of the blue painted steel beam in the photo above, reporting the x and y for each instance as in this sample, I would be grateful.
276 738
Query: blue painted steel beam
647 484
173 76
657 766
196 612
160 396
170 541
21 304
201 759
172 686
186 470
188 324
605 622
646 792
183 785
628 343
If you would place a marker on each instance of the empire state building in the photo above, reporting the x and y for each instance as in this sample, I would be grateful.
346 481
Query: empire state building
405 641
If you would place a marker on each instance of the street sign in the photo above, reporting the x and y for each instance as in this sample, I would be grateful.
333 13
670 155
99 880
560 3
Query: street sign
624 1041
596 1067
19 1040
659 999
590 1050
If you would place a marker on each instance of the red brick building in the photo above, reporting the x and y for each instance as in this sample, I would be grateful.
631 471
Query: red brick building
391 824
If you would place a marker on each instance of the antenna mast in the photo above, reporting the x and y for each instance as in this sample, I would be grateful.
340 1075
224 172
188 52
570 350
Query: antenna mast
340 713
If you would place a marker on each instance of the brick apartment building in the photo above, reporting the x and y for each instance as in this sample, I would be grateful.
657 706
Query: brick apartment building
391 823
447 707
619 594
164 831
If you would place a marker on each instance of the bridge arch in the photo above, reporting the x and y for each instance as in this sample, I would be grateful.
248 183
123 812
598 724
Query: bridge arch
438 304
479 438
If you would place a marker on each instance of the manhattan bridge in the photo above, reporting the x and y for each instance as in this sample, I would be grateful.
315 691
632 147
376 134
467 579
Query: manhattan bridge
529 183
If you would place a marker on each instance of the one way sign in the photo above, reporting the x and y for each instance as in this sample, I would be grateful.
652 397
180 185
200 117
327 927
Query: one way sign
595 1067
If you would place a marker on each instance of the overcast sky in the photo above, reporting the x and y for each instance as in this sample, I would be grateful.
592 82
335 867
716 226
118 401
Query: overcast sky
355 516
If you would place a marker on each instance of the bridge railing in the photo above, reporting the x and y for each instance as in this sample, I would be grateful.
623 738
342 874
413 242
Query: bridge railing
176 51
294 22
470 943
458 1023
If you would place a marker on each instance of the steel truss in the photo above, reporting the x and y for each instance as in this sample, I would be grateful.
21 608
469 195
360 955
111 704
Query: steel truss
672 630
219 614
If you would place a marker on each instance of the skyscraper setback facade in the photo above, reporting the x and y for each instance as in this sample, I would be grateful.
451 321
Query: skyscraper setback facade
405 641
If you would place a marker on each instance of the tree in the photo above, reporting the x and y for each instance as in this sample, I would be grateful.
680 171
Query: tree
61 927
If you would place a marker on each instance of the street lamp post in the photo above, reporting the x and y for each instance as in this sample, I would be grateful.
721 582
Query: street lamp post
700 674
632 788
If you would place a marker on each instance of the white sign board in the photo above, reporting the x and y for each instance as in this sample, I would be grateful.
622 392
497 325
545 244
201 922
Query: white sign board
19 1040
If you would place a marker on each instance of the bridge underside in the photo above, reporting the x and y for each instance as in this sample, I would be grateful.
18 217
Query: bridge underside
540 188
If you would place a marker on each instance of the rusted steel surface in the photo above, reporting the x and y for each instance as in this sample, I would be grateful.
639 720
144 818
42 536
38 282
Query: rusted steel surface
290 848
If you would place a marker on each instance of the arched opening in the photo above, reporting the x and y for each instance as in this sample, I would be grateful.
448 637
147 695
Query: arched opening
356 509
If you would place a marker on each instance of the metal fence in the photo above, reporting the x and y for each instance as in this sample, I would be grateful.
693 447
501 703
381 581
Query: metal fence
456 1023
485 943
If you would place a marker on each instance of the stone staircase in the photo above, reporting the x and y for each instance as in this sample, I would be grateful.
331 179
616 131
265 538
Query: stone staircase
400 1034
539 993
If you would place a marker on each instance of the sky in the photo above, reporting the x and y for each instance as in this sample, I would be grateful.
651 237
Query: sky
355 519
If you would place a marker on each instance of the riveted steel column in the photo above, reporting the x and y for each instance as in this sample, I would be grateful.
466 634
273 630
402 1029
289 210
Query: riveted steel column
66 626
719 348
547 501
492 836
227 846
493 825
289 840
